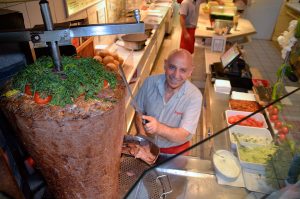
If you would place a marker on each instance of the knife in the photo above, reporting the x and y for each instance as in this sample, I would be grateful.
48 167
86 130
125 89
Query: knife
133 101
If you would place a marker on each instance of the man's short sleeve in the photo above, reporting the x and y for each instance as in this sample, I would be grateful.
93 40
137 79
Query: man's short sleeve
192 113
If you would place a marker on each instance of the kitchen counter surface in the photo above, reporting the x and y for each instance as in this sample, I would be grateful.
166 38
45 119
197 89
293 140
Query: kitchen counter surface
294 5
188 178
245 28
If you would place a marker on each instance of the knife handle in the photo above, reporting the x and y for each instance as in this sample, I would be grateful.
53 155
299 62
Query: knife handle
144 121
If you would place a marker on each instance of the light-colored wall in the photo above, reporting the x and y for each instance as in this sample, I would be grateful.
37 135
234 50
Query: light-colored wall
263 14
32 14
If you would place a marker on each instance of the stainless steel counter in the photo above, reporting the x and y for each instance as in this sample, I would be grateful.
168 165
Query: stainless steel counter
190 178
216 104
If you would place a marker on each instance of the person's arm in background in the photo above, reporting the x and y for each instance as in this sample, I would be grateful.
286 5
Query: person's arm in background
183 11
183 27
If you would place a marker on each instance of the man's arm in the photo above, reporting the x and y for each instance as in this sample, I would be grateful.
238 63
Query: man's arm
183 27
177 135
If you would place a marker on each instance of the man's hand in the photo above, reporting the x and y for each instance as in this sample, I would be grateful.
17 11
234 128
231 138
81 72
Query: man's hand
178 135
152 126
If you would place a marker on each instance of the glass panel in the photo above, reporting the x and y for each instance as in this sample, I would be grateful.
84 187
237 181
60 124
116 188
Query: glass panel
236 161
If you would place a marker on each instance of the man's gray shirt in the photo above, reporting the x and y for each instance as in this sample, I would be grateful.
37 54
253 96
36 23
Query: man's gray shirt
181 111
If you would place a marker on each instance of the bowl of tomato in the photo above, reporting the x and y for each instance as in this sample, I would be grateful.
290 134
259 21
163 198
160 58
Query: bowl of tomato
235 117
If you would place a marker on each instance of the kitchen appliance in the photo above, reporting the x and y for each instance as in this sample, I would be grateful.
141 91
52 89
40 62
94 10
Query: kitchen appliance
223 26
222 12
233 68
134 41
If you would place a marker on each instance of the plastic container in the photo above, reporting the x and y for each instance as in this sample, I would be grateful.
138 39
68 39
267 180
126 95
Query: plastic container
257 116
262 135
226 165
242 96
260 82
252 164
256 181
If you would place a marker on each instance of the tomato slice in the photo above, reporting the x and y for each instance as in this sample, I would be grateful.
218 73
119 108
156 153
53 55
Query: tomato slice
240 116
105 84
28 89
231 120
260 124
245 123
40 100
251 122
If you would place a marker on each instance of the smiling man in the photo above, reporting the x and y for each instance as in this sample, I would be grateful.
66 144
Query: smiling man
171 104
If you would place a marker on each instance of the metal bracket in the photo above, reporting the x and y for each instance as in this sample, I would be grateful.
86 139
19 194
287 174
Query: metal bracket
169 190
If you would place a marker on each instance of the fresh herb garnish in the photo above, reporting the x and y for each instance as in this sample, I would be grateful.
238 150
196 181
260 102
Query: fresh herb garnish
83 76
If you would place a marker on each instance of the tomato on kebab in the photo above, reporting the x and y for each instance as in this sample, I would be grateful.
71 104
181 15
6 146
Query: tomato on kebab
40 100
28 89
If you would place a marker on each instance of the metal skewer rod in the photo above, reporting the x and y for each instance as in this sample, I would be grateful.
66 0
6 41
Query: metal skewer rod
53 45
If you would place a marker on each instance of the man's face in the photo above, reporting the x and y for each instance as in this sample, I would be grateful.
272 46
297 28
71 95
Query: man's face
177 70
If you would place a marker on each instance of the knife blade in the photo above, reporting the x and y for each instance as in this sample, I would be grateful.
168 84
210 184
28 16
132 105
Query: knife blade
133 101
